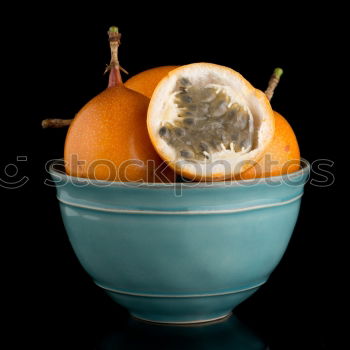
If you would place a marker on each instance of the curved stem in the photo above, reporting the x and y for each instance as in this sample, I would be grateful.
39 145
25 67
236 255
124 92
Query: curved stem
273 82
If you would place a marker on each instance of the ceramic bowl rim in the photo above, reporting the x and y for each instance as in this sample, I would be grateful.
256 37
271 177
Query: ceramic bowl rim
305 170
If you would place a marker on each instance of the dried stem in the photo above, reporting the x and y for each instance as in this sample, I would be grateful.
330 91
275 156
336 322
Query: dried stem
59 123
55 123
273 82
114 68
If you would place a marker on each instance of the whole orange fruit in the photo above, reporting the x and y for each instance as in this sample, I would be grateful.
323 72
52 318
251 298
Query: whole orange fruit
108 138
146 81
282 156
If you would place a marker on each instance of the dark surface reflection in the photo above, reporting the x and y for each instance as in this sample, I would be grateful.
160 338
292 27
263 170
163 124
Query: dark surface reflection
226 334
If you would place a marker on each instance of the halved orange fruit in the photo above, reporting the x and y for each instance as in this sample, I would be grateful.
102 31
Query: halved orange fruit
208 122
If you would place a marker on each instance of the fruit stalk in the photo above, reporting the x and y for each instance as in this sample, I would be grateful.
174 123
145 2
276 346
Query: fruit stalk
114 79
273 82
59 123
55 123
113 68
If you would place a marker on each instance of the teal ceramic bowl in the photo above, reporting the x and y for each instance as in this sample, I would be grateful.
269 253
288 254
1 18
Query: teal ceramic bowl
179 253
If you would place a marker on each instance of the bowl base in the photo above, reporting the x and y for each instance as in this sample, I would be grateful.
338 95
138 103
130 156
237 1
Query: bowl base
185 323
180 309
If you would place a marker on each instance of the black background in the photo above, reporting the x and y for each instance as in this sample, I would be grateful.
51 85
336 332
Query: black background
53 64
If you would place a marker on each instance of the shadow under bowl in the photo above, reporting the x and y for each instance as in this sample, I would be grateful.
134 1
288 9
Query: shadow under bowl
184 252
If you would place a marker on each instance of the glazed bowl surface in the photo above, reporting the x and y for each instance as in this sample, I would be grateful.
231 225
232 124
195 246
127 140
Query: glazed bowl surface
184 252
